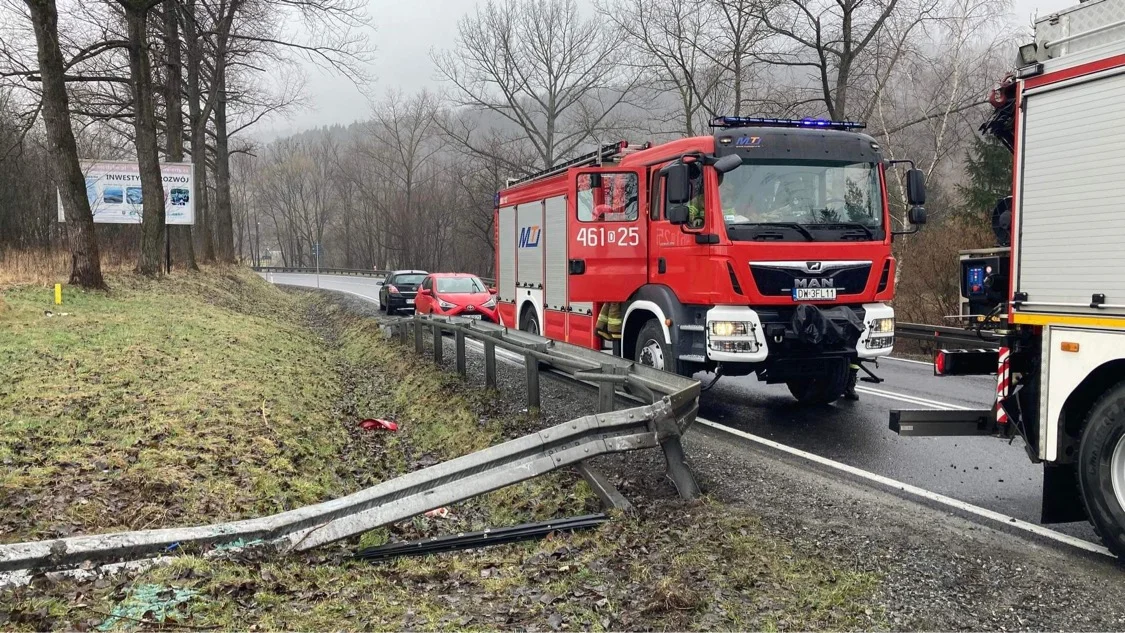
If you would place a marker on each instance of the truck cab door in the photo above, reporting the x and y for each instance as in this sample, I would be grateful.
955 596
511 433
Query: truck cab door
608 238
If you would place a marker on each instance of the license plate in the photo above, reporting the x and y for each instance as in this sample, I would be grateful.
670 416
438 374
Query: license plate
409 302
814 294
472 316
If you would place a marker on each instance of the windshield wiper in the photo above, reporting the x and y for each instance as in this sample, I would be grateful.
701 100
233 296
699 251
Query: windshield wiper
786 225
848 225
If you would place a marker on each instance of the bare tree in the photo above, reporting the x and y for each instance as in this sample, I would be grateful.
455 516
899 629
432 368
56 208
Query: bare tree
830 42
540 68
85 268
174 118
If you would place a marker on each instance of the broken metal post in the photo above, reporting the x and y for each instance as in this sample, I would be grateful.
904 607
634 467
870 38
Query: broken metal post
489 363
437 345
532 365
675 461
459 338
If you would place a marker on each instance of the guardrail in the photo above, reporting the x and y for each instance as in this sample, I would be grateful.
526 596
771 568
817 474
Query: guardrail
673 408
353 272
947 336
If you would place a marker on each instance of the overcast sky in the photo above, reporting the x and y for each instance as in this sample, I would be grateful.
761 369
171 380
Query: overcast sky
404 34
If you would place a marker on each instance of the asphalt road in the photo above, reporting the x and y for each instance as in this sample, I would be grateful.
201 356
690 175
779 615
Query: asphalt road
983 471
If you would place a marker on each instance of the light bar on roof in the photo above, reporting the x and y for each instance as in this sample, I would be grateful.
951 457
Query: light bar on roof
749 121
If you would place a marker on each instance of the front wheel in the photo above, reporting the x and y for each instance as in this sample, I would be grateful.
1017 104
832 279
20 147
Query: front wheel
817 390
650 348
1101 467
530 322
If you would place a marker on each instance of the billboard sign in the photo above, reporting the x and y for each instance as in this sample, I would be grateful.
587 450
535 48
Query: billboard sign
114 191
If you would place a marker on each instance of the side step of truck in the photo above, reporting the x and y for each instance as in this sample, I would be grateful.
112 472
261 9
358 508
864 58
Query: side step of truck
939 422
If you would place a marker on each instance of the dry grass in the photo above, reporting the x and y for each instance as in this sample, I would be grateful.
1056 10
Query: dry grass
51 266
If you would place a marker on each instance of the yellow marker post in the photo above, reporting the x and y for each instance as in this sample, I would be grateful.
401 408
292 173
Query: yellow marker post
58 294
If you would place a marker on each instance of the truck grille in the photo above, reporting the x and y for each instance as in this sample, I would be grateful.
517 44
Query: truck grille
778 280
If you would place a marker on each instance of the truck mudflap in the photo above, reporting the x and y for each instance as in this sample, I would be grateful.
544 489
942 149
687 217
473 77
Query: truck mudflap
944 422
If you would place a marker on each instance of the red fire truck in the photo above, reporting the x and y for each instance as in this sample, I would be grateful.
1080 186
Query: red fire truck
764 248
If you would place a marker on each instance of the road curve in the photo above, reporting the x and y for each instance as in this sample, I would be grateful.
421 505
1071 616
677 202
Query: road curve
979 470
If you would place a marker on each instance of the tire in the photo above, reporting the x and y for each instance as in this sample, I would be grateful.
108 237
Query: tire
650 348
1101 467
819 390
529 322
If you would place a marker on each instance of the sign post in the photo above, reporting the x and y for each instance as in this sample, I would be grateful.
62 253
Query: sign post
316 249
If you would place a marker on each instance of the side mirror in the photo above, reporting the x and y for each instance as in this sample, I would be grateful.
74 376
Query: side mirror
916 188
677 213
595 181
677 185
917 215
425 292
493 291
728 163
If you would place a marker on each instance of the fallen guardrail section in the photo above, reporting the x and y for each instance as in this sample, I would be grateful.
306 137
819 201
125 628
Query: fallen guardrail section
674 404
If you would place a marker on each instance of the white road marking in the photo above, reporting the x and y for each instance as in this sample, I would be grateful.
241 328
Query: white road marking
908 360
374 300
984 513
901 397
906 488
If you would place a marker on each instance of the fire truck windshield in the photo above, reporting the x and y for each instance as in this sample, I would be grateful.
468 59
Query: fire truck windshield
802 200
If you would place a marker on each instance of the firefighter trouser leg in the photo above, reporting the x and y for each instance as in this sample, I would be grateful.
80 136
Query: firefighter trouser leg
609 321
853 374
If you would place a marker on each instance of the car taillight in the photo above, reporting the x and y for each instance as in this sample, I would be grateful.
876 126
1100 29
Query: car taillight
391 289
939 362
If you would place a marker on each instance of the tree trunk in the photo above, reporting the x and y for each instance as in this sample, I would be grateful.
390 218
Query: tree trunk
150 262
85 261
224 227
184 250
198 117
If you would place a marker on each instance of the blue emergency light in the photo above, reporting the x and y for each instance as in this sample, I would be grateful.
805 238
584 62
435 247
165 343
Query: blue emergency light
749 121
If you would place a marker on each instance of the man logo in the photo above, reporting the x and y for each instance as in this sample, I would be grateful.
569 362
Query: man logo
813 267
529 236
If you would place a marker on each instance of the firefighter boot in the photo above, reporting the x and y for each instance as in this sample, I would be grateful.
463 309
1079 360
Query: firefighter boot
849 390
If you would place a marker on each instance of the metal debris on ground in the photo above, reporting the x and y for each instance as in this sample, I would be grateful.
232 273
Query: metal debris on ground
486 538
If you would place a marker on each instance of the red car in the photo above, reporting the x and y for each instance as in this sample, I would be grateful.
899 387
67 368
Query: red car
456 294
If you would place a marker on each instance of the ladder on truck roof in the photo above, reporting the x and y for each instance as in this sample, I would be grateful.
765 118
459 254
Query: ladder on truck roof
605 154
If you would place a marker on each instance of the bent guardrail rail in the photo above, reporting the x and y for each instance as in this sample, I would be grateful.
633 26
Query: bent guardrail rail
352 272
942 334
673 409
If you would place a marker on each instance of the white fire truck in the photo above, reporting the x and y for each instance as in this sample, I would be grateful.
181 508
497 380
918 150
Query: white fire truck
1053 294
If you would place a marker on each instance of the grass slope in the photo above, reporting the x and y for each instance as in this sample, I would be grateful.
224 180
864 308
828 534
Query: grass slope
214 396
186 401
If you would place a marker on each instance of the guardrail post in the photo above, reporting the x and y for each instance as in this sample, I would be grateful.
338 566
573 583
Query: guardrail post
419 348
437 343
532 365
489 363
606 390
459 337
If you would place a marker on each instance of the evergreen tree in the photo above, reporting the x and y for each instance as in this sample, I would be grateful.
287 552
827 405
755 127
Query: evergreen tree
989 167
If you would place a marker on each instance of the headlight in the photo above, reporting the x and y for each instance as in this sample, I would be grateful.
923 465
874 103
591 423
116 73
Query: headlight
882 326
491 303
731 328
879 342
445 305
